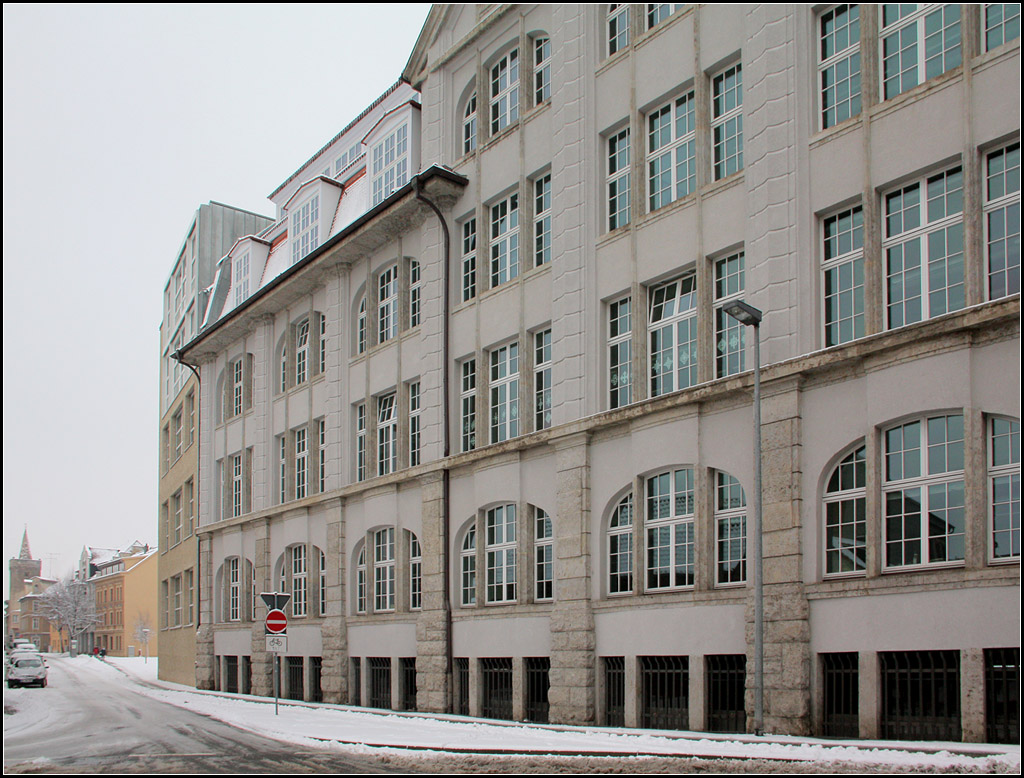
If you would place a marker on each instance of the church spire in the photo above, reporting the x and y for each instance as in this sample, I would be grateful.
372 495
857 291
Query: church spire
25 552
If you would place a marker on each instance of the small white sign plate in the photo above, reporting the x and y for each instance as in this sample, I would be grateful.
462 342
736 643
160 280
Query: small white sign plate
277 643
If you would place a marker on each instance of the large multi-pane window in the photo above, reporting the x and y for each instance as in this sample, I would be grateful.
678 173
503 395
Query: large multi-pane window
282 468
505 92
390 163
731 529
467 404
668 527
302 352
620 547
505 240
467 568
672 323
234 589
839 64
1004 487
237 485
237 386
361 442
305 228
1002 220
541 70
469 125
500 548
504 386
415 573
387 304
727 121
672 151
299 580
843 271
542 379
468 259
618 27
620 341
387 435
321 454
415 437
542 220
923 485
729 334
543 556
918 43
361 580
1002 24
618 179
361 327
301 462
845 516
924 248
384 569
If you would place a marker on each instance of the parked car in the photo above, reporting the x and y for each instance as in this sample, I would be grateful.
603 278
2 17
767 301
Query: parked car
26 671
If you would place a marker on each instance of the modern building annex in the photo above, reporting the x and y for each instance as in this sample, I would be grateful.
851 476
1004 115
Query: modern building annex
474 399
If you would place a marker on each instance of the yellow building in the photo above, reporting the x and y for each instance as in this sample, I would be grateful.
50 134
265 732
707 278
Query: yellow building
125 588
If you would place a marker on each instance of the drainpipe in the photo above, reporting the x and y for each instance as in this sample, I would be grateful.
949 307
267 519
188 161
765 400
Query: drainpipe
197 579
445 472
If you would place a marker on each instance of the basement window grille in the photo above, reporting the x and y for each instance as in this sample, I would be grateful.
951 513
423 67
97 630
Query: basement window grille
920 695
537 684
841 690
665 685
496 678
1002 695
726 681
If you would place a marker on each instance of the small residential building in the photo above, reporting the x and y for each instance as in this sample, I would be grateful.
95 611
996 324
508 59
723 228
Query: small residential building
34 623
125 589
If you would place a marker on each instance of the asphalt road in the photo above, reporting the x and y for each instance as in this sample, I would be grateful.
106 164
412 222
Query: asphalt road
81 723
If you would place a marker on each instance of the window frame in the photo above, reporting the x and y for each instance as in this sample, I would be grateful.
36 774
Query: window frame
541 69
727 122
918 21
304 227
387 304
617 32
1005 203
503 386
620 560
503 77
467 568
618 198
831 63
730 284
542 387
469 255
668 376
384 570
726 485
387 434
988 25
504 240
389 163
846 485
467 404
669 534
999 470
543 556
620 339
542 220
674 140
500 550
842 276
415 573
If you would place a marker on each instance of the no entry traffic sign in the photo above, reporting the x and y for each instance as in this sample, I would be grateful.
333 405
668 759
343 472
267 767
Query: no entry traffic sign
277 622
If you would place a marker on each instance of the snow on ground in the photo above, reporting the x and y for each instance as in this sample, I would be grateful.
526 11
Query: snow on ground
356 729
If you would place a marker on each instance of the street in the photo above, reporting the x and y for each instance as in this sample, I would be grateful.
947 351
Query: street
82 722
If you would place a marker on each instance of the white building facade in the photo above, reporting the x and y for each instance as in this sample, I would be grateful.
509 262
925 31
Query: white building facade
490 425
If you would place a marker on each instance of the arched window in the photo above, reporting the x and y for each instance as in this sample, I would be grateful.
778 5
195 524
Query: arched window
469 125
384 570
302 351
361 580
669 530
620 547
361 327
543 556
467 568
236 587
415 573
846 516
731 529
500 549
504 94
296 578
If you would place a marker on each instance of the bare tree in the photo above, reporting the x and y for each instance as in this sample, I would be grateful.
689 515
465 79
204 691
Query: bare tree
143 631
70 606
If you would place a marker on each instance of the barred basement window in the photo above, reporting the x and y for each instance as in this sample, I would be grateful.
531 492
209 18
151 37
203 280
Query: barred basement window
920 693
380 682
665 692
461 686
1002 695
316 666
614 691
840 695
726 680
496 683
407 678
537 684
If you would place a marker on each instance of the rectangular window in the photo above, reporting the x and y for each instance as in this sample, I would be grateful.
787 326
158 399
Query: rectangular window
241 278
504 393
387 304
176 600
467 568
234 589
301 463
727 121
731 523
542 380
190 411
321 457
387 435
924 248
299 580
730 338
672 151
669 530
1002 221
843 271
918 43
190 507
620 342
618 180
415 574
672 323
414 293
236 485
361 581
467 401
177 428
505 240
544 557
618 27
920 695
469 125
237 387
190 597
664 692
302 352
468 260
1004 487
305 228
390 165
501 554
840 64
176 511
384 570
620 548
659 12
542 220
541 70
414 423
1002 24
282 468
322 346
924 492
505 92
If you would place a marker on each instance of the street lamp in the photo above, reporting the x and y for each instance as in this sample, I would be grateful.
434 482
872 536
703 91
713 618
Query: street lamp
750 316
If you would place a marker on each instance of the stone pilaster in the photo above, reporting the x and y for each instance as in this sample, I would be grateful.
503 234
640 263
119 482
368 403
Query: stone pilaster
205 672
573 676
333 636
433 675
262 662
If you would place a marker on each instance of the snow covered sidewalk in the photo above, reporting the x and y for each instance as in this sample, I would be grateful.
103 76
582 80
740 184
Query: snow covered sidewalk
358 729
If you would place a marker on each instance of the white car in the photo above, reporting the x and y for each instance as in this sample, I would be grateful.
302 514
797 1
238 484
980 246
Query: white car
26 670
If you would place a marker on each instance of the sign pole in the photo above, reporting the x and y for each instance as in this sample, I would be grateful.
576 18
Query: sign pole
277 680
276 629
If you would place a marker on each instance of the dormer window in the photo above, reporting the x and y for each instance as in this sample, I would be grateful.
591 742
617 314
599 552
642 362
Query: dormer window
241 278
305 232
391 163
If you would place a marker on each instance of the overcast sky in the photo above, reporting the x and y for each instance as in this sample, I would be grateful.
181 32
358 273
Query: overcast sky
119 121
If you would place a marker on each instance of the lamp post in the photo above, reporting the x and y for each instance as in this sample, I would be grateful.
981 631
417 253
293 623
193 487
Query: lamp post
749 316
